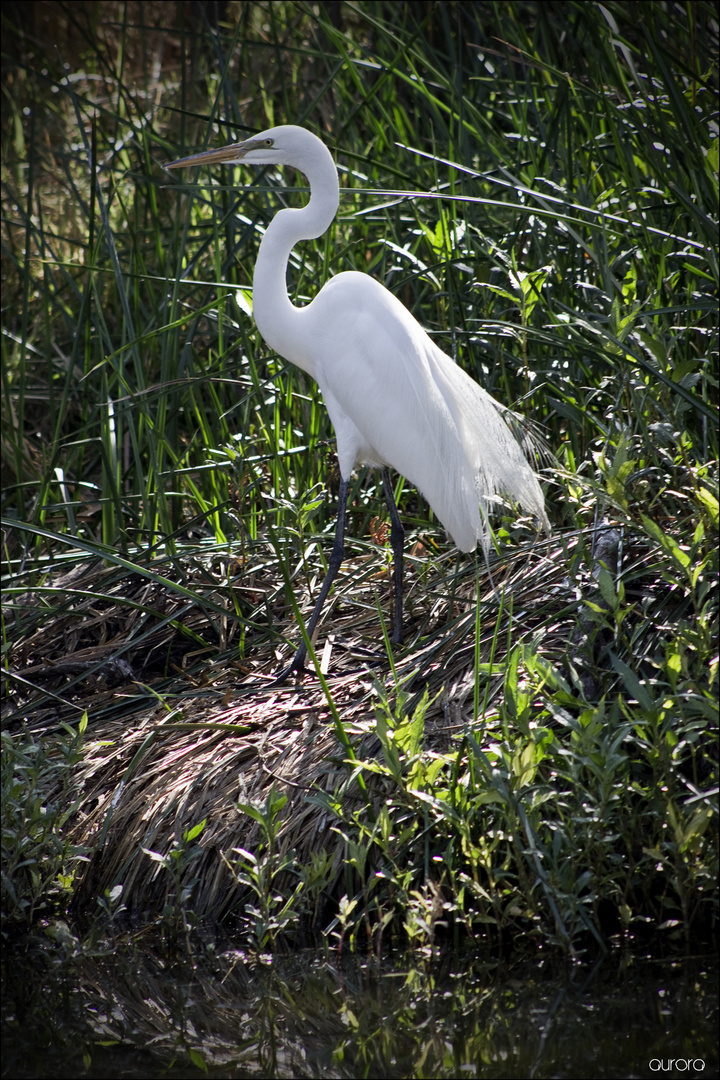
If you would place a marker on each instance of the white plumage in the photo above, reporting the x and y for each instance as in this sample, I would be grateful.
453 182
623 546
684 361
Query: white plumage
394 398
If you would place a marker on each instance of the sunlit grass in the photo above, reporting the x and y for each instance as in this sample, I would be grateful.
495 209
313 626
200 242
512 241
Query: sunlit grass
538 184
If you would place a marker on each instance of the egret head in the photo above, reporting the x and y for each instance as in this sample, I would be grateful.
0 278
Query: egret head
286 145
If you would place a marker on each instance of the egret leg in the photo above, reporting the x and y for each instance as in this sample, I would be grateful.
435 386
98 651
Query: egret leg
336 557
397 538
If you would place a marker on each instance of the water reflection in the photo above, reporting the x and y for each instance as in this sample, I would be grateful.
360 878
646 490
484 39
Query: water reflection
141 1014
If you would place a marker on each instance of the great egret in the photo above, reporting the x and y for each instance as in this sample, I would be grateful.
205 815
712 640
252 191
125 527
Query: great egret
393 397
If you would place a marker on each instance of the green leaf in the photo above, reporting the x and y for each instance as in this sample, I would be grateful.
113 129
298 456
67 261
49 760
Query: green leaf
191 834
710 503
632 684
155 856
198 1060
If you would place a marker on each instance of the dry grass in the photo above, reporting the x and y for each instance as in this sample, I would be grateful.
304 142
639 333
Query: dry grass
162 755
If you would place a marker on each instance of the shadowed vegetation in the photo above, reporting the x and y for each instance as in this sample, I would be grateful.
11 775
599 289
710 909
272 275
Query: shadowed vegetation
538 184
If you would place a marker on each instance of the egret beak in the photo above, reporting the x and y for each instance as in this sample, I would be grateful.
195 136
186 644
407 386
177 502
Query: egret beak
227 155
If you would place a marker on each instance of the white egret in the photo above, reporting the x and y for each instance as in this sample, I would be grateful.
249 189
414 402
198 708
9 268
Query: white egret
394 398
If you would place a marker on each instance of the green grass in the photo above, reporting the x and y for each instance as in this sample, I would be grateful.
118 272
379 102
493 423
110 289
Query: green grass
559 240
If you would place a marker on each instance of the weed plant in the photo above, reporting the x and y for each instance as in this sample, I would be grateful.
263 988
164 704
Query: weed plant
538 184
38 859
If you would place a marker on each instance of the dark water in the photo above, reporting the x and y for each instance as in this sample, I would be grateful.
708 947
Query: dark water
139 1013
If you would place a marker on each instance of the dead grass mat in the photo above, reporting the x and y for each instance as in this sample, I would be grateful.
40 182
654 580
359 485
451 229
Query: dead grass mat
156 762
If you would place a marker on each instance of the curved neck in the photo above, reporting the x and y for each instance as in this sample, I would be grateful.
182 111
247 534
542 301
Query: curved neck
280 323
